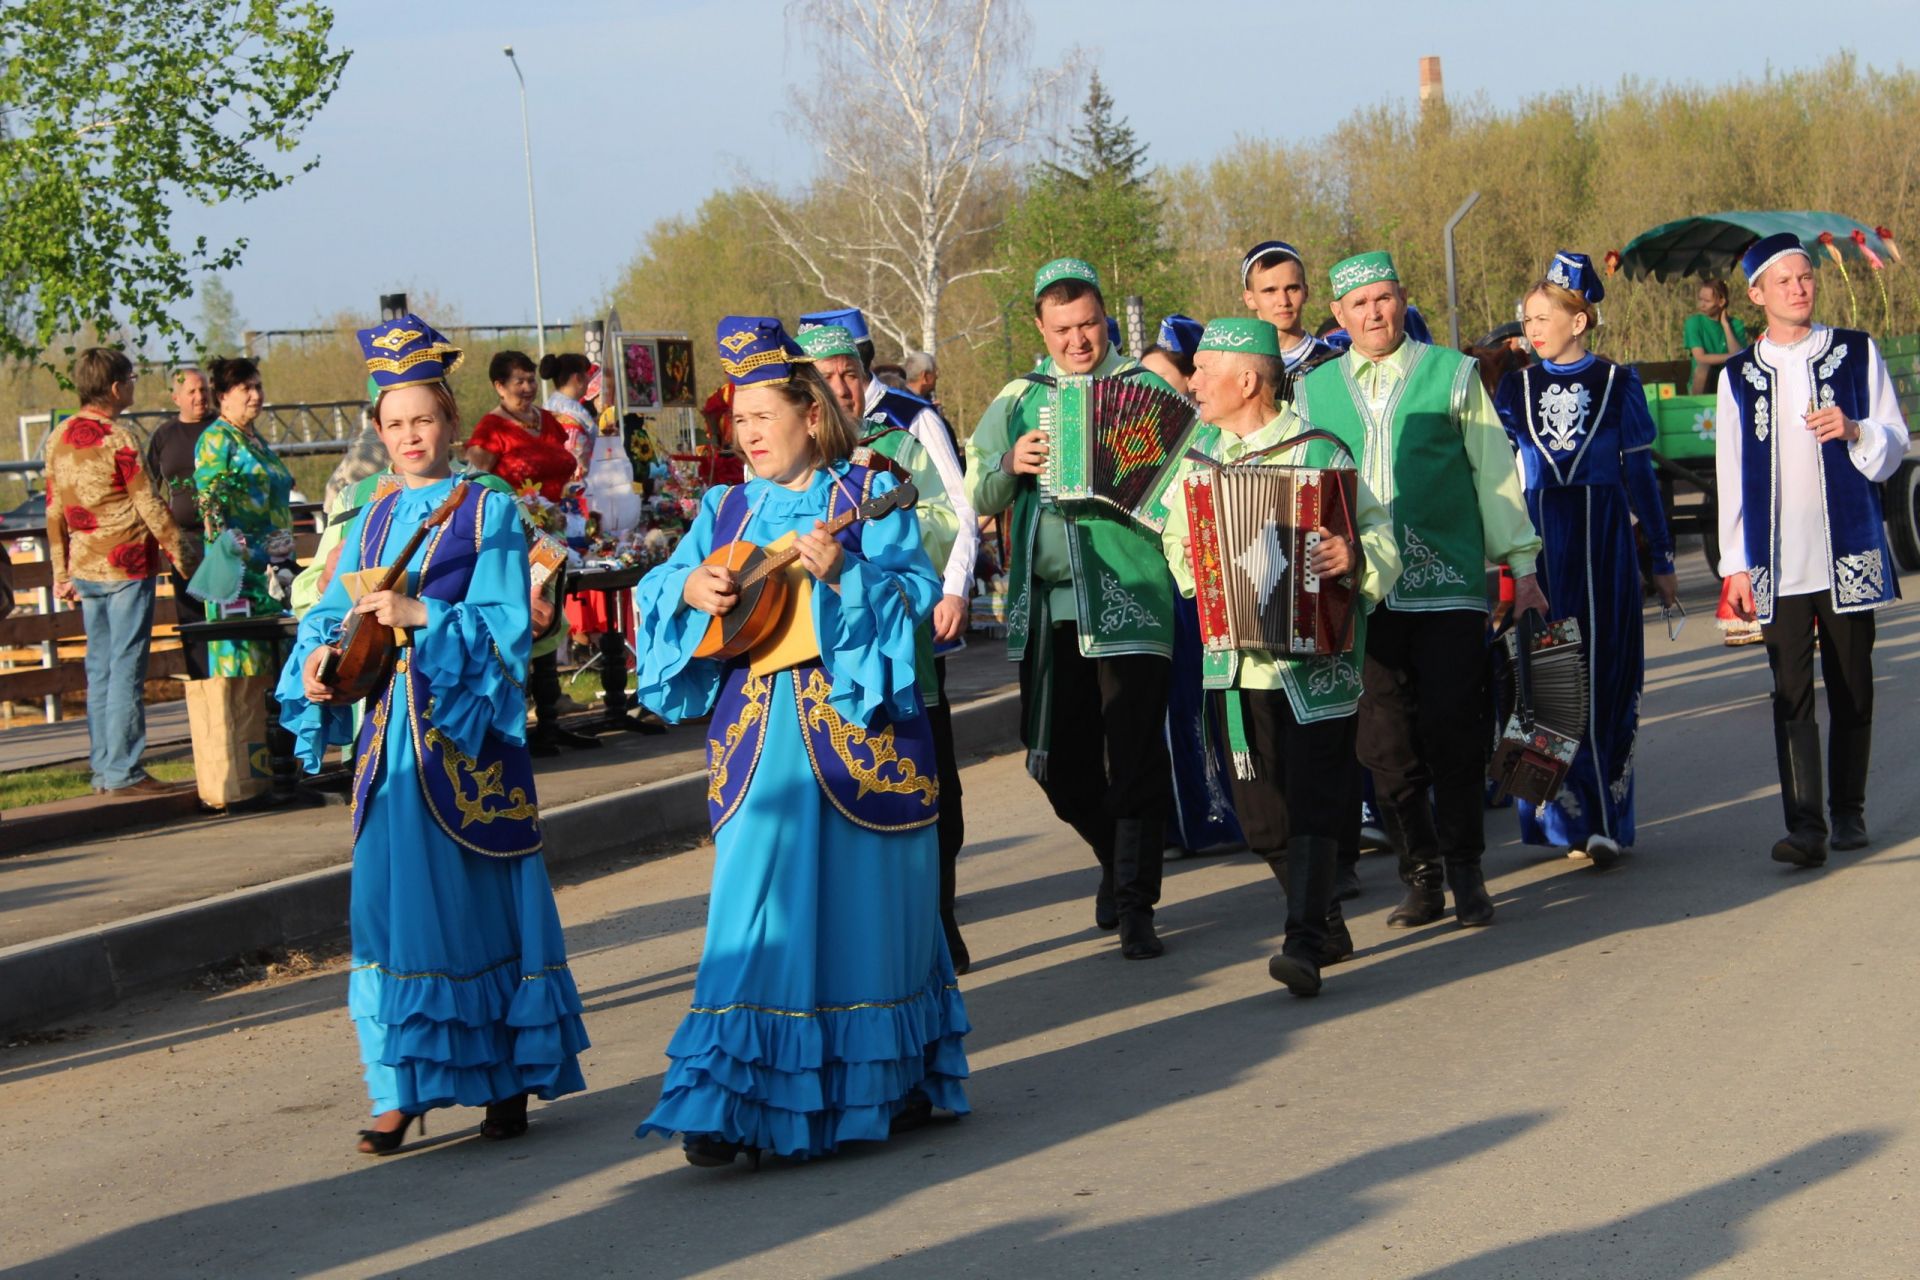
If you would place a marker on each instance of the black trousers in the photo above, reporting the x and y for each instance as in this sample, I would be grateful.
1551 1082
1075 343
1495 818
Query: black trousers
1846 667
1108 775
1297 809
543 681
953 820
1304 774
1423 727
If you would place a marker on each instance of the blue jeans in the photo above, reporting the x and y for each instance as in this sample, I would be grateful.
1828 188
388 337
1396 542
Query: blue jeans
119 621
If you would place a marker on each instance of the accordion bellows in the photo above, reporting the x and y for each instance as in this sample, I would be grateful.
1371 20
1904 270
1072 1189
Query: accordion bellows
1548 691
1251 535
1112 443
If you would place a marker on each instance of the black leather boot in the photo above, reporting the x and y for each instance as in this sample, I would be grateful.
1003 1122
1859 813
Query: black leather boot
1472 904
1309 870
1137 861
956 945
1346 878
1411 829
1848 754
1801 795
1339 945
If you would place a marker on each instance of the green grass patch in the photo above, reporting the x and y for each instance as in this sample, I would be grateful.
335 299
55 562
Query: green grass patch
44 786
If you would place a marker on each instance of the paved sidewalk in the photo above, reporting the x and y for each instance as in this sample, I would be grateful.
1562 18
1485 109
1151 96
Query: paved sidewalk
57 890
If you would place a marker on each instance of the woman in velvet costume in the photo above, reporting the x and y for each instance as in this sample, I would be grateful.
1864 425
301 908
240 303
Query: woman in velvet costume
825 1009
1584 435
459 988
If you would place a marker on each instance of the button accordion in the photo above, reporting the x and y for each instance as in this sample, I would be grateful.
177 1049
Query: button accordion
1251 531
1548 691
1111 445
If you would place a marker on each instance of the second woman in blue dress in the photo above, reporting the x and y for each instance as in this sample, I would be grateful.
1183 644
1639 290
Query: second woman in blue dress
825 1009
1585 438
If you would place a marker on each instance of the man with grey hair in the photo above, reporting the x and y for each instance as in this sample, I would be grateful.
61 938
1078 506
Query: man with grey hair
922 375
170 449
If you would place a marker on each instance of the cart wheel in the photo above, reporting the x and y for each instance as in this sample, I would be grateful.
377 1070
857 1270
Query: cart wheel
1902 501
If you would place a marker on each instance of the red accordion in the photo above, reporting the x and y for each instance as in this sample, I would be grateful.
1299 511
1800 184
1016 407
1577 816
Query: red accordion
1251 534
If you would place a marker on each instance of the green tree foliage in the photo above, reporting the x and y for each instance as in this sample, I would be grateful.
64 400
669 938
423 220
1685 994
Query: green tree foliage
220 322
115 111
1097 201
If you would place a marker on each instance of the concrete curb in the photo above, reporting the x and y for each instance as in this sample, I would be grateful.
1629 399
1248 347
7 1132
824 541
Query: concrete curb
51 979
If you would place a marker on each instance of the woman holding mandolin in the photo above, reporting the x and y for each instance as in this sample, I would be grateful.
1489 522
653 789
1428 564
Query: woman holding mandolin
825 1010
460 989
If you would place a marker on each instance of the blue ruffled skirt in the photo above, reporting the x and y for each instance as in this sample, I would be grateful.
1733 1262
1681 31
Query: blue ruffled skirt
825 995
460 989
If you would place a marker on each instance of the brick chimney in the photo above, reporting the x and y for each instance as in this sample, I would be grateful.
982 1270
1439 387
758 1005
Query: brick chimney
1432 93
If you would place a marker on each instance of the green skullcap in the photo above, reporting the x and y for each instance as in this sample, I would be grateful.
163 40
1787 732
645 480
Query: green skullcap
823 342
1064 269
1362 268
1241 334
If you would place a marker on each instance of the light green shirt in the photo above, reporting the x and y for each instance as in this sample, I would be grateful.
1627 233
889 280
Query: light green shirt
992 490
1506 529
1379 557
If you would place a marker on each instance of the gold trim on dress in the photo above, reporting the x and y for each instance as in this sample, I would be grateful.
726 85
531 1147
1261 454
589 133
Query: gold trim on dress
813 709
486 784
759 694
743 1006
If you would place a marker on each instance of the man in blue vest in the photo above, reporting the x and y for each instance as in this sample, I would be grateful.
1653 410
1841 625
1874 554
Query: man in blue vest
1809 427
907 430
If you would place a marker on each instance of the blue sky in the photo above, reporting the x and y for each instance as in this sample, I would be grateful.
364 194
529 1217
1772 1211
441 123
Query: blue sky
641 109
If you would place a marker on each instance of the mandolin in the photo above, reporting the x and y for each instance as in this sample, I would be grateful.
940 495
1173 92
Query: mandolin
758 573
363 661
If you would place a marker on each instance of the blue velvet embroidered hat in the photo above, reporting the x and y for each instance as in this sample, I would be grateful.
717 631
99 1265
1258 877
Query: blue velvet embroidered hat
1180 334
756 349
1574 272
407 352
848 318
1064 269
824 341
1764 252
1266 254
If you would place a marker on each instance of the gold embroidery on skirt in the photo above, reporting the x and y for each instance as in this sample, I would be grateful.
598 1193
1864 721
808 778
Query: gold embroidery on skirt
486 785
844 736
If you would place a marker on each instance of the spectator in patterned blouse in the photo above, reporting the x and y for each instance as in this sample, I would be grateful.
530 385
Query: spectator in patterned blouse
105 527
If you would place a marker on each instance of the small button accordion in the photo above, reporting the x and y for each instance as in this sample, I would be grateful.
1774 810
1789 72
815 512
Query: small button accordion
1252 529
1112 444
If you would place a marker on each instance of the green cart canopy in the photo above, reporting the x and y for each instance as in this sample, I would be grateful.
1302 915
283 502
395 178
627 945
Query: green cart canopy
1710 245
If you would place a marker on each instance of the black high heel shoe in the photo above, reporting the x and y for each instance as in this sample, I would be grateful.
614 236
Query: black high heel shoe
384 1142
505 1119
708 1152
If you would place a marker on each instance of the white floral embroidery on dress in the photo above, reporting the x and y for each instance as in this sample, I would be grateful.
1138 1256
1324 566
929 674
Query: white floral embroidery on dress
1564 409
1421 567
1859 578
1832 362
1755 379
1826 396
1118 608
1570 805
1762 420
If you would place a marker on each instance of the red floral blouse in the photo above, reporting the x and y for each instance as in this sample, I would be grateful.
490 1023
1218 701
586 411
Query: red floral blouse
103 522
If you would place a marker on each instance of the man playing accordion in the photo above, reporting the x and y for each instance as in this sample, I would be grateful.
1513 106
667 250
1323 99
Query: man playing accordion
1290 717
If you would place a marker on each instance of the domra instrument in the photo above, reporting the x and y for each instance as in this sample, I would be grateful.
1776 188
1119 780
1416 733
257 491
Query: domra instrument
363 661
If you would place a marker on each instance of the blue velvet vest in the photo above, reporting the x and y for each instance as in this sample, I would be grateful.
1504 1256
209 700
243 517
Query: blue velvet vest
485 805
882 778
1863 574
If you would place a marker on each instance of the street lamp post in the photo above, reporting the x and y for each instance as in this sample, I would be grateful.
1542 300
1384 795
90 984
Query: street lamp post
533 223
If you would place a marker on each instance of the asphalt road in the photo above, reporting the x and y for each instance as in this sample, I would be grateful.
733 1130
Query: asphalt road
1701 1064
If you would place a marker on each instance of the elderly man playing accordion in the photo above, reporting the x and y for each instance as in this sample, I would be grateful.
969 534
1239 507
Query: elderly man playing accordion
1290 718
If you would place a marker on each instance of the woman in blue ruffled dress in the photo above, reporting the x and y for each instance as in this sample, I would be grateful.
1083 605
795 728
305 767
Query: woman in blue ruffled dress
825 1010
459 987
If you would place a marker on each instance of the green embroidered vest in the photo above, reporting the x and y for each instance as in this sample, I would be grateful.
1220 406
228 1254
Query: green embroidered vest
1122 591
1416 464
1318 688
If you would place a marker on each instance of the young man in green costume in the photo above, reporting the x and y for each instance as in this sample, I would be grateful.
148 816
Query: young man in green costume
1436 454
1089 619
919 445
1290 720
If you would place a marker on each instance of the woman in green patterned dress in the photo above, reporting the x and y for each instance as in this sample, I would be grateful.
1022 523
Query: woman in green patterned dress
243 485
